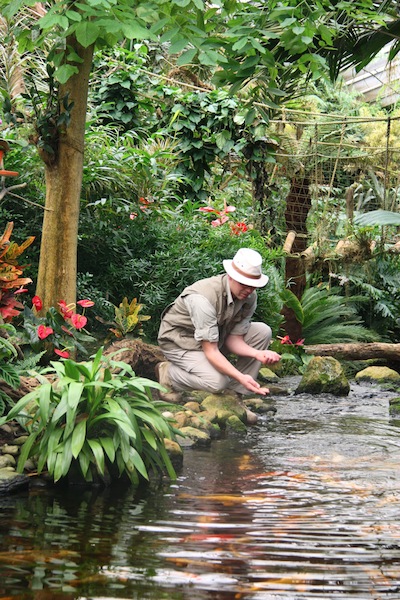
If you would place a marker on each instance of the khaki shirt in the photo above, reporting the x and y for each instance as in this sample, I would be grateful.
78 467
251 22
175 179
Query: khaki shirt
207 311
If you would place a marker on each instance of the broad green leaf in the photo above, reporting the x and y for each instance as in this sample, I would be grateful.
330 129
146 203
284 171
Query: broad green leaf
150 438
294 303
84 462
64 72
134 31
25 451
87 33
74 394
98 454
61 408
137 461
66 457
109 448
78 438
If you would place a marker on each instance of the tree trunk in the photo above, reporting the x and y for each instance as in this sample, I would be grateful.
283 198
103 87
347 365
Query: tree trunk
58 250
298 204
356 351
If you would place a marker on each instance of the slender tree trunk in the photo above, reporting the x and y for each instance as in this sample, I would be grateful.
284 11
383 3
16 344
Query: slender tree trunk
58 250
298 204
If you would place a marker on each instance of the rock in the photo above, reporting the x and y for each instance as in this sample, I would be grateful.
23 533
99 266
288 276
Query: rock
194 438
394 407
7 449
265 374
193 406
174 452
6 460
324 375
378 374
235 425
222 406
10 481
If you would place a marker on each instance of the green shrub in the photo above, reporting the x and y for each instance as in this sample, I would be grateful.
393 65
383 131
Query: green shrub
97 419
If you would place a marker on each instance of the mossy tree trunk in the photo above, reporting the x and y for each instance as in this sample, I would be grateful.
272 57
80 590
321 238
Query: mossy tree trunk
63 172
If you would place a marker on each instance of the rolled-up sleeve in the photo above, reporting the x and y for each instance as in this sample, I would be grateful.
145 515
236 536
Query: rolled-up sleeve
204 318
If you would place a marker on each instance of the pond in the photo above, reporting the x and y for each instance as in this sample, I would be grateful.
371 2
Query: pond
305 506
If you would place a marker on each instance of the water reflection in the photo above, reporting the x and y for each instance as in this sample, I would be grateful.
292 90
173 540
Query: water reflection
305 507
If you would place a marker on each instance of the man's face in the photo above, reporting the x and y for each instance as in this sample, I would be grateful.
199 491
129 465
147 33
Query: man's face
239 290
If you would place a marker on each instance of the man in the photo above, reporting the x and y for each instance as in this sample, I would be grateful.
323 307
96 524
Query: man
211 320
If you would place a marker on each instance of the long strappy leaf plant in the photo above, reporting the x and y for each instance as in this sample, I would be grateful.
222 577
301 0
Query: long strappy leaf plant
96 420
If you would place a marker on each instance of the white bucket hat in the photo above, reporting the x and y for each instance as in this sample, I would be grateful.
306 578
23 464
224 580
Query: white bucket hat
246 268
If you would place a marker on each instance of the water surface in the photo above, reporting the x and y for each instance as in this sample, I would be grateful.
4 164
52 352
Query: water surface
306 506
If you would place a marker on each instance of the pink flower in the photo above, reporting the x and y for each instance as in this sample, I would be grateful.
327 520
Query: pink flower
65 310
78 321
37 302
286 340
62 353
133 216
221 221
299 342
20 290
85 303
44 332
208 209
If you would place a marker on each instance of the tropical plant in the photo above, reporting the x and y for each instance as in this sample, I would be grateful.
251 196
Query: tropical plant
97 419
8 371
60 331
127 321
11 281
327 316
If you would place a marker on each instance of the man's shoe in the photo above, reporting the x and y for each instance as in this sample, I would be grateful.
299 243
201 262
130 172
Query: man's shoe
162 374
163 379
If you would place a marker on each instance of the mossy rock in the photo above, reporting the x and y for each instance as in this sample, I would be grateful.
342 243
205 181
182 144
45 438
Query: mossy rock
324 375
378 375
193 438
175 453
223 406
394 407
235 425
266 374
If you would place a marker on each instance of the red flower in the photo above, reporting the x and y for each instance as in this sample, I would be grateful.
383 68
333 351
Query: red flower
286 340
44 332
85 303
78 321
62 353
37 302
299 342
65 310
238 228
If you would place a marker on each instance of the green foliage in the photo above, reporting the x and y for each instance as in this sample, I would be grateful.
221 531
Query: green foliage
329 317
378 280
97 418
8 371
51 114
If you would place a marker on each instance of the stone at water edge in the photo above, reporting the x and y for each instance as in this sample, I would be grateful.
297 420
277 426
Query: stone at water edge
378 374
324 375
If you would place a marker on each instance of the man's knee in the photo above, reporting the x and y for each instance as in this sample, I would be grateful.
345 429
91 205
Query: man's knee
215 383
259 335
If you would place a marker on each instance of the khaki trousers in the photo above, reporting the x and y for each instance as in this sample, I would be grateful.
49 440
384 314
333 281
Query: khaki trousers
190 369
